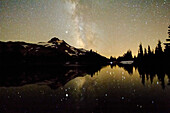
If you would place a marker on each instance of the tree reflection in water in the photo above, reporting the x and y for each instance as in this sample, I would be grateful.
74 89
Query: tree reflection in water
85 89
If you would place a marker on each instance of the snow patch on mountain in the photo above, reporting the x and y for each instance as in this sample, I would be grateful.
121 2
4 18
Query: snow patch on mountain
25 46
63 46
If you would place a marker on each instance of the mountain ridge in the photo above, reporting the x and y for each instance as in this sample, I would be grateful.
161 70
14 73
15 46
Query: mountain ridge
55 51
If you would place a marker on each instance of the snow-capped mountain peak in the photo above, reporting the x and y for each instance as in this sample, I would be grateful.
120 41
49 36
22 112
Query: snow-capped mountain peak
61 45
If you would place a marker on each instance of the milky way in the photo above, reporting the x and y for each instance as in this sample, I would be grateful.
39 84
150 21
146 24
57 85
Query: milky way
110 27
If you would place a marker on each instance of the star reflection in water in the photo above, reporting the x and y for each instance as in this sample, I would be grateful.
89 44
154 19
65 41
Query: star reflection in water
106 90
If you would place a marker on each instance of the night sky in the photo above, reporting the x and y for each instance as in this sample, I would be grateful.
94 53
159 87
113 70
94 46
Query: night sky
110 27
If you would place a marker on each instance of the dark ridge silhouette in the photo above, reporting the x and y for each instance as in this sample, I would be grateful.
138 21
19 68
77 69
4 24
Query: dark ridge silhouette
53 52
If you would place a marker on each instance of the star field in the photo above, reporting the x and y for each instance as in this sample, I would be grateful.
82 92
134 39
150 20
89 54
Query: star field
110 27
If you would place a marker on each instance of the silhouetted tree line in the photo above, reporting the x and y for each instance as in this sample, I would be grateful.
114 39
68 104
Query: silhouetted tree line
154 57
92 58
149 62
126 56
156 62
148 56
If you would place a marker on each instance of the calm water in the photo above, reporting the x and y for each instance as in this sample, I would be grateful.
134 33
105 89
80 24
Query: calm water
108 90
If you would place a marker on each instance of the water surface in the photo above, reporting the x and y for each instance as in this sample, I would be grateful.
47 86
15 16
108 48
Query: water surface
110 89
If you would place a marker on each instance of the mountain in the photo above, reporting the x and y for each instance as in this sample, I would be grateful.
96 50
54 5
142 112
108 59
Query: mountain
62 46
53 52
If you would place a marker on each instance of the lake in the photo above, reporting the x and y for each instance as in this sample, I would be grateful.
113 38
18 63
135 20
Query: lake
84 90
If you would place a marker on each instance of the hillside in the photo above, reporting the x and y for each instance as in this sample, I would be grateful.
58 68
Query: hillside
53 52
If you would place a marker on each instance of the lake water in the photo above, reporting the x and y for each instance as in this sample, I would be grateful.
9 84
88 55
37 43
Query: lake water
109 89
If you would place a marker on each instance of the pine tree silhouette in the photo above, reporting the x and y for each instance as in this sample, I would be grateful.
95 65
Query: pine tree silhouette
149 50
158 49
167 44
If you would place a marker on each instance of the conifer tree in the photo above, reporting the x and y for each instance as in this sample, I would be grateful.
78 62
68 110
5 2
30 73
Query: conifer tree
140 52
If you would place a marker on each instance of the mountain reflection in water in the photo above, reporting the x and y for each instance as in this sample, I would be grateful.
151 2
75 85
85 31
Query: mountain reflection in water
122 88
